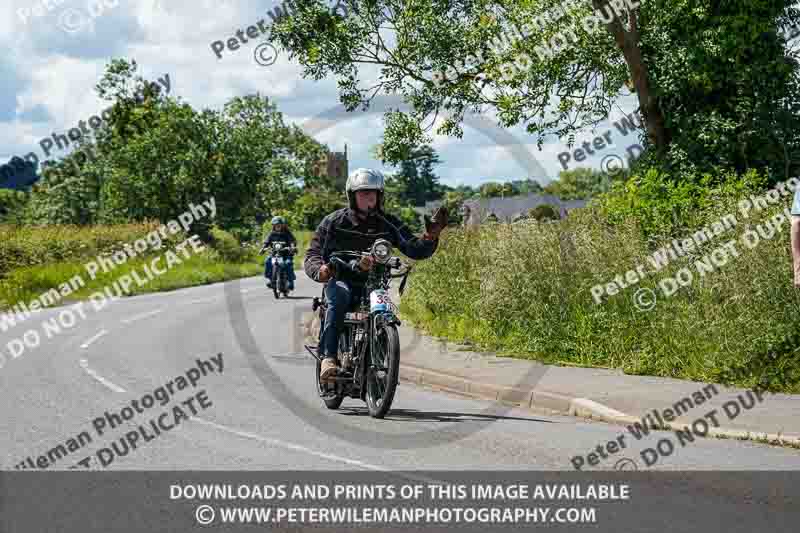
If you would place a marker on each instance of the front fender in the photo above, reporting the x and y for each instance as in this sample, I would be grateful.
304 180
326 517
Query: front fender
386 318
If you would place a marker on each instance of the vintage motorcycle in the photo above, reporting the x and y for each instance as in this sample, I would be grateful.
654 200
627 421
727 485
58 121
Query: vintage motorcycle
369 344
282 255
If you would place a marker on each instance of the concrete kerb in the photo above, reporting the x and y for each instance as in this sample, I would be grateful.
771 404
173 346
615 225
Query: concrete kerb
564 404
242 328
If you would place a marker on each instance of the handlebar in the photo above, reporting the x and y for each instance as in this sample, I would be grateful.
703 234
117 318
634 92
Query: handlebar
337 262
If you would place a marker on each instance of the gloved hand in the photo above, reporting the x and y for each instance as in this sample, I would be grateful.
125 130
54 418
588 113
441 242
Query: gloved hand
434 227
366 263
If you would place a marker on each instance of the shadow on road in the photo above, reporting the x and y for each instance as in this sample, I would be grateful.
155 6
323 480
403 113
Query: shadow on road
413 415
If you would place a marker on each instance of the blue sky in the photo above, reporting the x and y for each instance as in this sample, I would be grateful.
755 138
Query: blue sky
57 58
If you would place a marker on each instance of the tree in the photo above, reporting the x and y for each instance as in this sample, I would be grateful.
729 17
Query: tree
493 189
579 184
696 115
157 155
12 206
311 207
416 182
527 186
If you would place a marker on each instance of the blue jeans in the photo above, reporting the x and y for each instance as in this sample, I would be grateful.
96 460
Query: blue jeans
339 295
290 271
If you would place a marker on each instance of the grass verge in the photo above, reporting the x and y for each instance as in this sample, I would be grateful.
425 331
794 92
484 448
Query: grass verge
525 290
27 284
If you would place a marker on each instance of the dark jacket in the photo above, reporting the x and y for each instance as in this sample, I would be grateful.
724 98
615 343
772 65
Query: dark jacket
341 231
285 236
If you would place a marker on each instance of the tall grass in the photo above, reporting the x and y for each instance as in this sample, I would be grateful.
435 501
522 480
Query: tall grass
525 290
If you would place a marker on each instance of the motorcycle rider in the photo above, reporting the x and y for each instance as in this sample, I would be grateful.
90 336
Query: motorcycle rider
356 228
280 233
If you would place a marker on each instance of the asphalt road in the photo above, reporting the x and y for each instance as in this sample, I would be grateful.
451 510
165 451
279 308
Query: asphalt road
52 393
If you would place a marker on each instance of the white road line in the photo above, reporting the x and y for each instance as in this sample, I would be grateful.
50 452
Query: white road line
293 447
98 377
303 449
275 442
139 317
202 300
90 341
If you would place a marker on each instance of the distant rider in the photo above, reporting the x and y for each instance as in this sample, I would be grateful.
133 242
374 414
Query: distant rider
356 228
280 233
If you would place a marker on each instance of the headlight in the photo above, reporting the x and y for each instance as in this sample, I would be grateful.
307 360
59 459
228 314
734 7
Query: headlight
382 250
278 246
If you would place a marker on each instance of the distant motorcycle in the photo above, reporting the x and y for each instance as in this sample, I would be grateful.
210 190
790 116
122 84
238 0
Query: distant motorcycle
369 344
282 261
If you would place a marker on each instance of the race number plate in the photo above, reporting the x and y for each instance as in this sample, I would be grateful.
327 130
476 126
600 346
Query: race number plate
379 300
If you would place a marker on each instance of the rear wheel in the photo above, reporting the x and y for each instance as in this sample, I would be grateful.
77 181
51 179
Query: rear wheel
383 373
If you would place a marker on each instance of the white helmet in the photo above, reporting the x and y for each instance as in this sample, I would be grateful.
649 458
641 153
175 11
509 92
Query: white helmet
364 179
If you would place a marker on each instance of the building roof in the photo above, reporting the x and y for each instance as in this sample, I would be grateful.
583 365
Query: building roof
506 208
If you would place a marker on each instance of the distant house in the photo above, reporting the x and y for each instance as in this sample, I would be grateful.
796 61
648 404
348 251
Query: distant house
475 211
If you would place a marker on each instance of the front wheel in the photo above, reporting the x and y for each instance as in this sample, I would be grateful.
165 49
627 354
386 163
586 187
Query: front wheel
275 279
383 373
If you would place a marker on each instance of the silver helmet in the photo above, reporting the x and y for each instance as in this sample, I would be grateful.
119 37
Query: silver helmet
364 179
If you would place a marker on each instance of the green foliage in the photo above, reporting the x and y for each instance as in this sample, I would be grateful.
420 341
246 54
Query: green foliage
663 206
679 60
12 206
525 290
493 189
227 248
24 246
416 182
544 212
311 207
526 187
26 284
158 155
579 184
